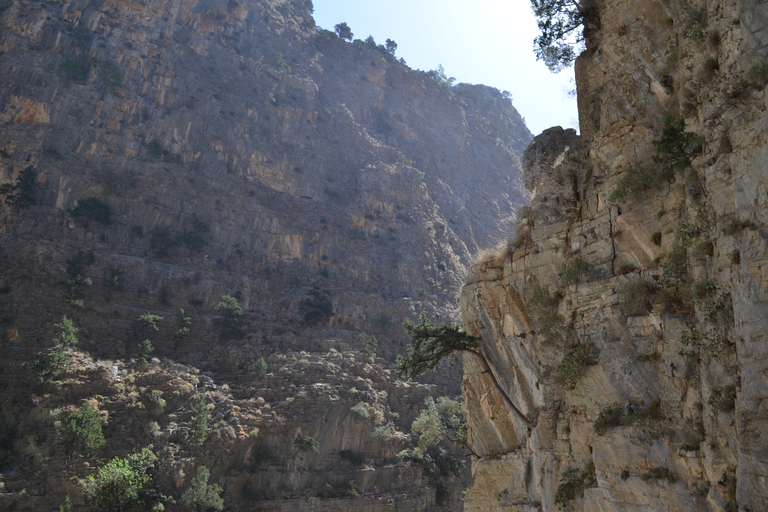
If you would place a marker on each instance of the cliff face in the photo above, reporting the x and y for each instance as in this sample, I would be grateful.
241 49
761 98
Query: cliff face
181 151
629 317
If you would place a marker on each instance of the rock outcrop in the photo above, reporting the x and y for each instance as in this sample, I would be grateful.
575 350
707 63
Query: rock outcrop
628 318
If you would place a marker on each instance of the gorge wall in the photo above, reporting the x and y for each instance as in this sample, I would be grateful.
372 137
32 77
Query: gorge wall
628 319
181 151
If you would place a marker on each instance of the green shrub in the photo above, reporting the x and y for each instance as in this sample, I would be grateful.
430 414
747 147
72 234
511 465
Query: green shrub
164 295
232 316
369 342
260 368
113 280
352 457
154 148
145 350
343 31
21 194
574 365
316 307
737 226
703 289
676 301
574 272
162 241
81 38
281 64
198 426
121 484
675 151
384 431
91 209
109 73
620 416
705 248
659 474
439 419
49 366
72 69
696 343
260 457
689 232
636 181
184 325
573 482
696 22
551 325
146 322
758 75
66 506
361 409
635 297
610 416
674 294
442 494
201 496
193 238
82 431
676 148
66 333
327 491
307 444
382 321
114 182
656 238
76 282
326 35
440 79
710 68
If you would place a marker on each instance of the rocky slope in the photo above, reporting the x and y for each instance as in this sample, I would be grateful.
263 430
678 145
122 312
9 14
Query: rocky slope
628 320
176 152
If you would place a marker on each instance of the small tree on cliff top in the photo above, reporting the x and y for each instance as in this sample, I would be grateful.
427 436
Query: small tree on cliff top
431 343
343 31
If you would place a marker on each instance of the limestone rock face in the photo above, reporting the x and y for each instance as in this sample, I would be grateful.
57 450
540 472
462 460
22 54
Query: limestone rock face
628 321
186 150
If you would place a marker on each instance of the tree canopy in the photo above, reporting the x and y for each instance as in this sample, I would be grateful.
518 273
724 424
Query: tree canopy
91 209
559 22
22 193
440 419
343 31
432 343
121 484
202 496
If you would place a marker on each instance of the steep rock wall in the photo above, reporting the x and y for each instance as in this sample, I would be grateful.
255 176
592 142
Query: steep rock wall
239 151
630 326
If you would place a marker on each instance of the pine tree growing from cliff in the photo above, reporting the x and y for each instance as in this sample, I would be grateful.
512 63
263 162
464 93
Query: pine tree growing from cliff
559 22
432 343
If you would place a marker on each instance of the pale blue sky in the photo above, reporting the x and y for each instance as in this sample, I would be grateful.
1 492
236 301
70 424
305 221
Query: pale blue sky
477 41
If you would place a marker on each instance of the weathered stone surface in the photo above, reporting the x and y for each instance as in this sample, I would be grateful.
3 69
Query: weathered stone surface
684 381
306 162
